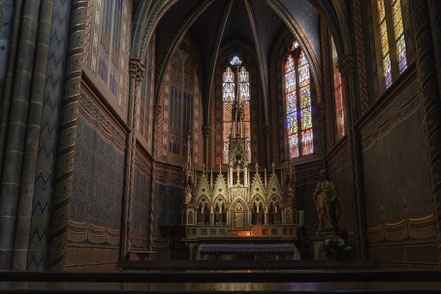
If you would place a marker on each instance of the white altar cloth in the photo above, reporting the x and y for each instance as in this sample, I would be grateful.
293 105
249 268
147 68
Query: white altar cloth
287 248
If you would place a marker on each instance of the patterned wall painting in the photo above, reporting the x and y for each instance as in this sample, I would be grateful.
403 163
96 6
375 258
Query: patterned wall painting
141 202
169 193
182 111
106 50
98 178
145 106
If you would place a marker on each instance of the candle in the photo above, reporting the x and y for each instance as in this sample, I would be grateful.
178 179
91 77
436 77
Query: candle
301 218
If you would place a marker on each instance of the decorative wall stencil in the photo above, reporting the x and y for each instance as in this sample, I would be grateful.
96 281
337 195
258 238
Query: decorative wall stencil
106 49
169 193
180 96
400 109
44 179
391 172
145 109
98 177
141 201
361 57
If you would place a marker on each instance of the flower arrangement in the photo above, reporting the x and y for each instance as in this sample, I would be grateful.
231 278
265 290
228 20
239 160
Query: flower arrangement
338 249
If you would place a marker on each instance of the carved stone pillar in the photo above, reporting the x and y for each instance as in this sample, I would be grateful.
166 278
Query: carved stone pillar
136 72
67 133
267 128
435 14
346 68
156 115
206 131
430 103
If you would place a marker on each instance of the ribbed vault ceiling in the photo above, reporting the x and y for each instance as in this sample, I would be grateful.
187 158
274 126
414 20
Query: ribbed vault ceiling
257 26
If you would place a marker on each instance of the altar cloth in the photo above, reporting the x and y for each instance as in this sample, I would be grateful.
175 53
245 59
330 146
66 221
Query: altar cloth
286 248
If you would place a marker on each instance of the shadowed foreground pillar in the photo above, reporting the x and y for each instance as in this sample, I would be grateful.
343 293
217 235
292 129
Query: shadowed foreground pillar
430 103
67 134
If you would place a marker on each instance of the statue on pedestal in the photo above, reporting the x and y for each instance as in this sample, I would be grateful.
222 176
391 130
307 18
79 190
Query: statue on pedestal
290 189
327 204
189 175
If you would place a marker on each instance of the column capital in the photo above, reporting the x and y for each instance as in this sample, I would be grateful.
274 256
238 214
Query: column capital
346 64
136 69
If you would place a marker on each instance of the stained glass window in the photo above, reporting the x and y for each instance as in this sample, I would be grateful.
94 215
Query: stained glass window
291 106
244 87
298 106
384 42
338 94
399 34
228 100
305 105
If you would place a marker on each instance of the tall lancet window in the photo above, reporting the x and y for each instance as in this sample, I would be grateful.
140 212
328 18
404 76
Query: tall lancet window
391 39
298 103
228 98
244 88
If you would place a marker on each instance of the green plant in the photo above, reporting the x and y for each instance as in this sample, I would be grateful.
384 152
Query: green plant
338 249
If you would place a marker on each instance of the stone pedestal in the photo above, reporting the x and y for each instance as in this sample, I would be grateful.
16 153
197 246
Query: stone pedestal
318 242
316 245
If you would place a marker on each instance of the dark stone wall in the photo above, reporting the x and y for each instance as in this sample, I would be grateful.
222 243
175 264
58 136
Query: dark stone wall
340 172
307 176
98 170
168 197
395 161
399 206
141 202
95 217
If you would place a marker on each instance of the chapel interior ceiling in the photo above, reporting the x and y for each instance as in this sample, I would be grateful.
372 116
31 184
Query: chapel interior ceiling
206 27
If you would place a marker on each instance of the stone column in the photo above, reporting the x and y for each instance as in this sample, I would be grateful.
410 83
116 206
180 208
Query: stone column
206 131
430 102
20 125
136 72
67 134
267 128
28 170
156 114
346 68
435 23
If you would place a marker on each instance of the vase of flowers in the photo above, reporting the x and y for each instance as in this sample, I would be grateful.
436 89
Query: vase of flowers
336 248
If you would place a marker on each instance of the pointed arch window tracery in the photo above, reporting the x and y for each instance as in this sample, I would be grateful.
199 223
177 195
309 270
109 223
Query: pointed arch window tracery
391 35
297 97
228 98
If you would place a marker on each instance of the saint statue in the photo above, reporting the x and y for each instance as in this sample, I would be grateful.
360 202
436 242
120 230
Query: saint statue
188 194
290 189
327 204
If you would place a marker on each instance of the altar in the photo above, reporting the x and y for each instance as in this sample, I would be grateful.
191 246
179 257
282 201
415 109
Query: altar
240 203
278 251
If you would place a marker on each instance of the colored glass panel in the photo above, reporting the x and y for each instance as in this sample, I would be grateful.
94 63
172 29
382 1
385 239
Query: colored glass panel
338 94
235 60
293 145
399 34
294 45
291 106
228 99
387 69
307 142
